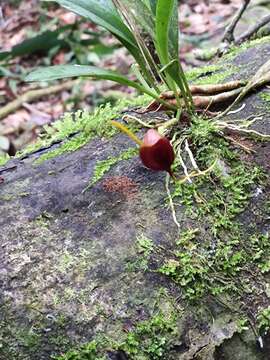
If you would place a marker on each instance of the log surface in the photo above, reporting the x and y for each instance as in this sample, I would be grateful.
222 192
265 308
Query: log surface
65 252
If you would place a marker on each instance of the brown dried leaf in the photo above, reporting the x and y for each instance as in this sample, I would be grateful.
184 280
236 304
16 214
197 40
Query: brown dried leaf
4 143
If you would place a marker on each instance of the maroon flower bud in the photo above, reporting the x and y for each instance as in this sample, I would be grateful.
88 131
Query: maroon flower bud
156 152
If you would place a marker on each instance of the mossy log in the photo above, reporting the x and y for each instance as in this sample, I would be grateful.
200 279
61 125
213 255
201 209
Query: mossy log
77 265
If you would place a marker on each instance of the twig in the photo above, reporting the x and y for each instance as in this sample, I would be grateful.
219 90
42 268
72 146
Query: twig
228 36
34 95
247 35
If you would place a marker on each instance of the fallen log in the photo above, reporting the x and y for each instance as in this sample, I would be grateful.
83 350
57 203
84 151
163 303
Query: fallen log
108 267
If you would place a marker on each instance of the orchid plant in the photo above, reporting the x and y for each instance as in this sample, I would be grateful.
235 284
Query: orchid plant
148 29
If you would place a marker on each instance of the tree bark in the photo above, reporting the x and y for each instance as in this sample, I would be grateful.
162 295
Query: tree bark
71 266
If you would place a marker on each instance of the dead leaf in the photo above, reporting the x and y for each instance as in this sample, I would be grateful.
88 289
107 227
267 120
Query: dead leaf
15 121
68 17
4 143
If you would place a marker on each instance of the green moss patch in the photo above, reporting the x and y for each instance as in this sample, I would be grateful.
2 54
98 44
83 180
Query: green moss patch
103 166
210 74
236 50
87 125
265 96
149 339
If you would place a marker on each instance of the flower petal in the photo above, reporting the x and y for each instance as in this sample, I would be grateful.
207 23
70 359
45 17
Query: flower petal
158 156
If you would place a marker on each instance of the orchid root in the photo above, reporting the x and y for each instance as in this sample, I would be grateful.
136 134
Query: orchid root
204 96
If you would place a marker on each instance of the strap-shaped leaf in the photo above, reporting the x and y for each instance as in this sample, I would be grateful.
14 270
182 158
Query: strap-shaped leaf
104 14
167 34
167 30
41 42
140 13
101 12
58 72
153 6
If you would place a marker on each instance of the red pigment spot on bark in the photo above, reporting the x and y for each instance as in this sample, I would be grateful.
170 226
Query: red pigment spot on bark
120 184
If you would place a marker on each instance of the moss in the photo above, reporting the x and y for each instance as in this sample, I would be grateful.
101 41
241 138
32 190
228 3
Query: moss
214 253
236 50
195 73
89 124
263 319
144 247
70 262
17 337
217 77
29 339
103 166
148 339
265 96
68 146
211 74
215 73
3 159
199 260
152 338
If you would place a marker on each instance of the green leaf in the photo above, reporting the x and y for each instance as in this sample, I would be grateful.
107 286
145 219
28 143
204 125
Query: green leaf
138 16
167 30
41 42
167 40
58 72
104 14
167 35
101 12
140 12
153 6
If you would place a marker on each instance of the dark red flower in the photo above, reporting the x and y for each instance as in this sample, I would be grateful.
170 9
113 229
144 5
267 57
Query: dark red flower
156 152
